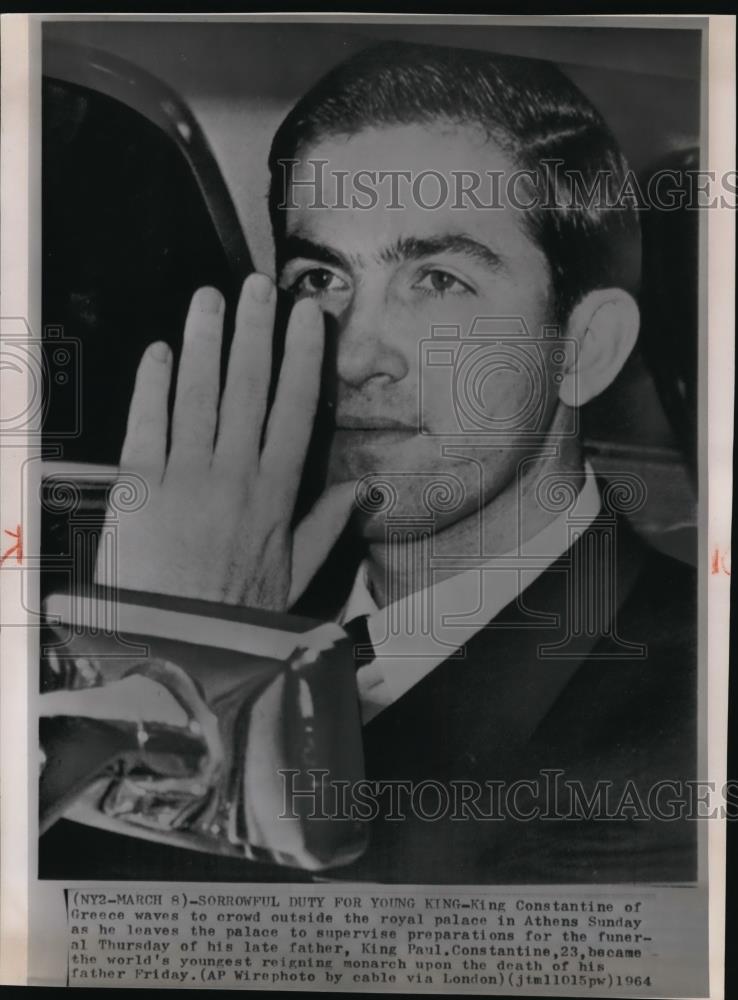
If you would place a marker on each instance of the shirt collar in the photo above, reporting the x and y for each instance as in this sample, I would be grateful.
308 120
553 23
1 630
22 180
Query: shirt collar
414 635
549 543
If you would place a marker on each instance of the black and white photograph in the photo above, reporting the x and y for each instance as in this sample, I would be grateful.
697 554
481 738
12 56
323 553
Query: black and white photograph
371 467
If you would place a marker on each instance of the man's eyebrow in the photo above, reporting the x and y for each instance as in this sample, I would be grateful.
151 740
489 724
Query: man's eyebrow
403 249
413 248
300 246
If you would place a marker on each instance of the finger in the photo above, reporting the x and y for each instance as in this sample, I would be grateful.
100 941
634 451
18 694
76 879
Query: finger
145 445
244 400
316 535
196 401
296 400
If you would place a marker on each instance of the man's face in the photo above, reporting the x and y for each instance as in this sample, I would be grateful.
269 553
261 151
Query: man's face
387 277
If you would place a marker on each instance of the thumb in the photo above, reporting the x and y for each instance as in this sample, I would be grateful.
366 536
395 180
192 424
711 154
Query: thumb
317 533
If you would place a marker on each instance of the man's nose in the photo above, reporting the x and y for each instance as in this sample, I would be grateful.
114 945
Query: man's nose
369 343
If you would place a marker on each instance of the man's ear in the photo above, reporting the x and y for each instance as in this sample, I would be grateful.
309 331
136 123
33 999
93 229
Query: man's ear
605 326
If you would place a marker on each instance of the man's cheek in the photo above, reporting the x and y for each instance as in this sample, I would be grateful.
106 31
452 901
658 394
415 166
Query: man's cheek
508 399
486 398
437 403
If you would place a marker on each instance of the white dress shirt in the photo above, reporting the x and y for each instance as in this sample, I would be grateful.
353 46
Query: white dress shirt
414 635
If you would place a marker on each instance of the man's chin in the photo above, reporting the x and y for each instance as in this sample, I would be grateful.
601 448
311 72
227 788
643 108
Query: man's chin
361 457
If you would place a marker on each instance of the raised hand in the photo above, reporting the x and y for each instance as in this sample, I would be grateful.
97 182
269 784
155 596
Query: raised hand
218 521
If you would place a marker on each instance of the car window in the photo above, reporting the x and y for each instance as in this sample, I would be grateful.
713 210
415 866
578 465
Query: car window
126 239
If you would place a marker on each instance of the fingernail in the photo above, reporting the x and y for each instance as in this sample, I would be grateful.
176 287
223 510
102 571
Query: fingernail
159 351
260 287
209 300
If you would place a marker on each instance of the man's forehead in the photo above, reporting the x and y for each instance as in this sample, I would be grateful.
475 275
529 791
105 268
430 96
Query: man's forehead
439 145
382 185
364 217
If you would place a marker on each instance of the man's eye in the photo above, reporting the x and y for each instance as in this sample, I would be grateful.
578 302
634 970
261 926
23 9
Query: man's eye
317 281
438 282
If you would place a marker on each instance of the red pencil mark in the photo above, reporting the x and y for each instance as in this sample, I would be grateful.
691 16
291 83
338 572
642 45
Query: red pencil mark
17 548
719 562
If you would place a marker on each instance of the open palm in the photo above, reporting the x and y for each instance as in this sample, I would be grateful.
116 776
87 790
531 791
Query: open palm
217 524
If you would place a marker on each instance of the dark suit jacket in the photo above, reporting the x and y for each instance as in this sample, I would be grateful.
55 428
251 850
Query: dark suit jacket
591 673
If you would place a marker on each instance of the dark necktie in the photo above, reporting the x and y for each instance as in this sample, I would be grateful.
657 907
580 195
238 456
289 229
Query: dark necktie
358 631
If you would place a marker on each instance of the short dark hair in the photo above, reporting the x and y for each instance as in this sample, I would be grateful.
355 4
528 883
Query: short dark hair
528 106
